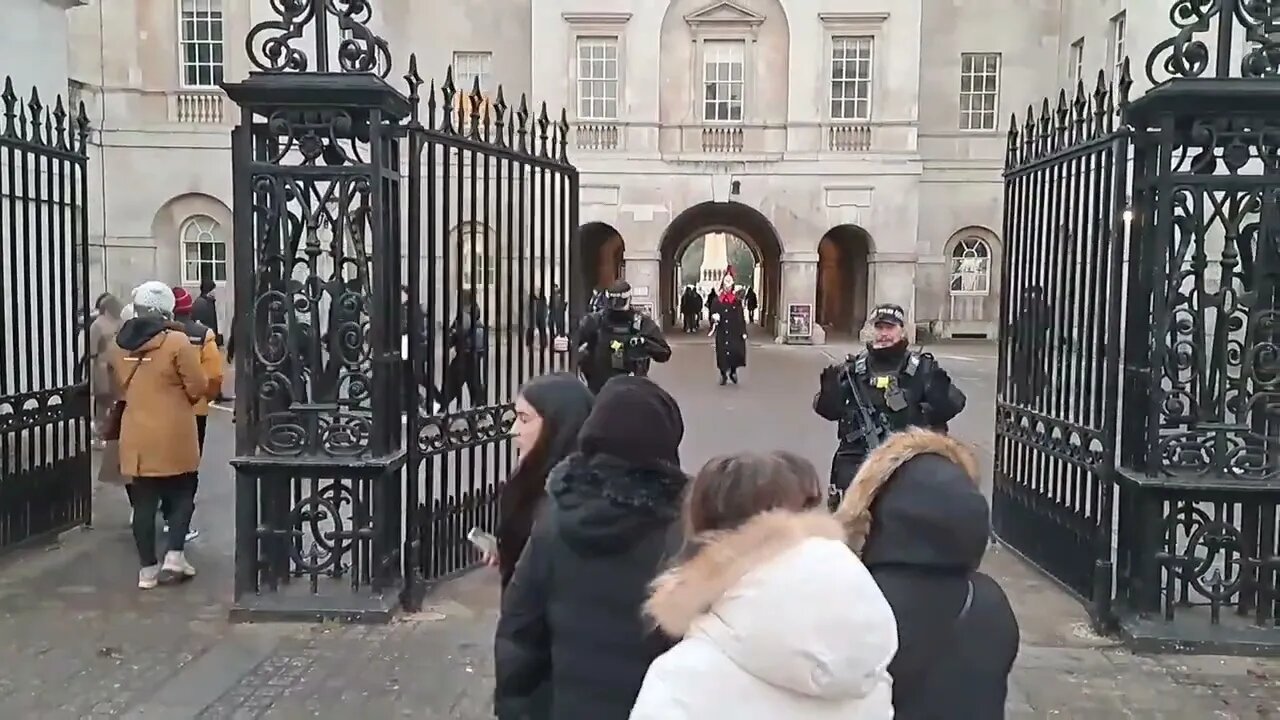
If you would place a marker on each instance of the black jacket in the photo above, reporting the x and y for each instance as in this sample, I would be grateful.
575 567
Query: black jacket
204 310
594 337
572 642
958 636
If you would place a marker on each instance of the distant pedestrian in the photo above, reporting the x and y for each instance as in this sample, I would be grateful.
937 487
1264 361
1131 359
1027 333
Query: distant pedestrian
204 340
102 338
161 380
916 517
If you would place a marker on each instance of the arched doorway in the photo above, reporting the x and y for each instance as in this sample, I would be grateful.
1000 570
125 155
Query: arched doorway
704 262
732 219
973 299
602 252
840 303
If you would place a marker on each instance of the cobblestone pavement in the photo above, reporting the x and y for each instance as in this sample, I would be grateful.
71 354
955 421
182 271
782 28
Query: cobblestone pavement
82 642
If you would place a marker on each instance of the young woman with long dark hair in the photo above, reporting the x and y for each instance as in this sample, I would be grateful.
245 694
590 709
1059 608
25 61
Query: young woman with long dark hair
550 410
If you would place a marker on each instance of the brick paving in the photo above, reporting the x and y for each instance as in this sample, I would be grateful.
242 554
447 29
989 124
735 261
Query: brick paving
82 642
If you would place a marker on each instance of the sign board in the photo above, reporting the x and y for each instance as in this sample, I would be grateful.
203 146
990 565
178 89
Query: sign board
800 320
643 308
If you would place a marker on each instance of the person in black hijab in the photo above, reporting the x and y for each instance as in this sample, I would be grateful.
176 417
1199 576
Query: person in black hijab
572 642
550 410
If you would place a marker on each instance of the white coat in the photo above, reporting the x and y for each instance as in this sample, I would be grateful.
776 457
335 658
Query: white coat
780 621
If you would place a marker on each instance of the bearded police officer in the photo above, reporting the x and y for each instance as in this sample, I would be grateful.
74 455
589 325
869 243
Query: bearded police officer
883 389
617 340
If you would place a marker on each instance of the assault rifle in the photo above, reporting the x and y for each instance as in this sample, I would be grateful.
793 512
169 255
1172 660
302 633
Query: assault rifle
873 426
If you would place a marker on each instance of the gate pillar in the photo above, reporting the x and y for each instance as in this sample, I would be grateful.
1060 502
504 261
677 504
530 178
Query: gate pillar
319 436
1197 551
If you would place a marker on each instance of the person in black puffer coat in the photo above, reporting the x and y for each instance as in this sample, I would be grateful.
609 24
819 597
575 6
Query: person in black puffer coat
916 517
572 642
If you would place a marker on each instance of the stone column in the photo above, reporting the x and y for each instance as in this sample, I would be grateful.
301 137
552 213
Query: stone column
893 275
799 285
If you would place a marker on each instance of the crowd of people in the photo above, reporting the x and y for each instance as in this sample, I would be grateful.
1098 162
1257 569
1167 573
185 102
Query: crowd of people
631 590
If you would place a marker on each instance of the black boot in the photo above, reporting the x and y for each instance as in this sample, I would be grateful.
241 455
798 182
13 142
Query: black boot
733 376
723 378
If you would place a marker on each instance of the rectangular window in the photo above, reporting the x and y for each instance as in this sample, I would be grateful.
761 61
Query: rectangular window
598 78
723 80
851 78
468 66
1076 66
979 90
1116 49
200 43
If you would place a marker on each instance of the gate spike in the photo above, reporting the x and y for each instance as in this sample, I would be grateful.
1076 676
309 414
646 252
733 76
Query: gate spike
500 119
1100 97
475 100
1080 112
1029 134
82 130
1062 118
1125 82
431 104
447 92
1045 135
10 99
522 124
564 135
414 80
37 109
544 122
60 124
1011 149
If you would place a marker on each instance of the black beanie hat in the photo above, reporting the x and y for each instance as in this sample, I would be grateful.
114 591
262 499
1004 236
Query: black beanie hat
635 420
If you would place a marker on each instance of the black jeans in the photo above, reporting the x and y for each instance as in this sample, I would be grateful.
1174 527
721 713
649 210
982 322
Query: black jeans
464 370
148 493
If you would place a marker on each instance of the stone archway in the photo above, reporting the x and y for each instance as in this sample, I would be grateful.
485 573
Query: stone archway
840 302
733 218
602 252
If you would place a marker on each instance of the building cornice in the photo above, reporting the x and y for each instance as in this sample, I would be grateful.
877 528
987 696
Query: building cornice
67 4
596 18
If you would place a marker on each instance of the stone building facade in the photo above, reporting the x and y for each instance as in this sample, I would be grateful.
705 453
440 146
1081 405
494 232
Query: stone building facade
856 146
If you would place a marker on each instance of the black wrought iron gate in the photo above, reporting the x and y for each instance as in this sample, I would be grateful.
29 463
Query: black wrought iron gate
1066 190
403 266
44 386
1138 411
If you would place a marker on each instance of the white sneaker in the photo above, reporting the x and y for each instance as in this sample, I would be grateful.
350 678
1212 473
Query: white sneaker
176 568
149 577
192 534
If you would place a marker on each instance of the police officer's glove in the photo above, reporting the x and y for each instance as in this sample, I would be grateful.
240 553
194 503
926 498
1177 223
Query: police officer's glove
939 388
636 341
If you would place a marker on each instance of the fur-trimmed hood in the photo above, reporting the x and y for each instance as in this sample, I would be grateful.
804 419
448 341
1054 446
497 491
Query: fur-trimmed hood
931 514
787 601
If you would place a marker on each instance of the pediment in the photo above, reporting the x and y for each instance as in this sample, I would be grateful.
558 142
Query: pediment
724 13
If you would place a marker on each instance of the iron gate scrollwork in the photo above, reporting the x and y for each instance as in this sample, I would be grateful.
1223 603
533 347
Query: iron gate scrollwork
45 463
401 264
1187 557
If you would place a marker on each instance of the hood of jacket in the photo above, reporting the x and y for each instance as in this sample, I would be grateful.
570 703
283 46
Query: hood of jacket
784 598
605 505
144 333
915 502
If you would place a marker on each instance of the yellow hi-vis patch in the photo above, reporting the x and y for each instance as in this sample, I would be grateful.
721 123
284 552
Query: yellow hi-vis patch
615 346
882 382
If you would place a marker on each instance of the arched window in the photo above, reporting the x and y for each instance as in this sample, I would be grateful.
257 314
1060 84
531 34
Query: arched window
971 267
204 250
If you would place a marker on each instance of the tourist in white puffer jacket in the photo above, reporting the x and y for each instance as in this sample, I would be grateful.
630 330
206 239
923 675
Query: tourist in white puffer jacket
779 619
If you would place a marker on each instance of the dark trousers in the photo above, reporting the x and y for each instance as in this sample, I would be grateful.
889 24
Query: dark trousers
463 370
538 328
844 465
148 494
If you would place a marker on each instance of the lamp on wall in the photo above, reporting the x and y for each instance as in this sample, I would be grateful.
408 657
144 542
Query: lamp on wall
735 188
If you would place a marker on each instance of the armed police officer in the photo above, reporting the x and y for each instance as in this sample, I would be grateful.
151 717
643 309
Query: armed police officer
617 340
883 389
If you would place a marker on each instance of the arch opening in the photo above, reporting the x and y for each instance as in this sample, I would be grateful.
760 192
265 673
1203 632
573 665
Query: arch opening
755 237
973 300
840 302
603 250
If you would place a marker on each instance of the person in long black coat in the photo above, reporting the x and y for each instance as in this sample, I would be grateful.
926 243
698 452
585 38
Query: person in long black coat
729 325
916 517
572 641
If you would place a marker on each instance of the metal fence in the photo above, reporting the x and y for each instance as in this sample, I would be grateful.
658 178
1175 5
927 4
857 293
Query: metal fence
44 399
402 263
1137 458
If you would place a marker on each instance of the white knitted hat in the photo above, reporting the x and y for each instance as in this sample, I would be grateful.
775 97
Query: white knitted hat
154 295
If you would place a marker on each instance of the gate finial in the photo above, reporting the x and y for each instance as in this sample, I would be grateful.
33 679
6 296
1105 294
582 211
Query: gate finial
273 45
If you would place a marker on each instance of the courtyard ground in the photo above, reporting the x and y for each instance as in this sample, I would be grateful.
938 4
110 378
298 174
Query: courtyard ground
82 642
